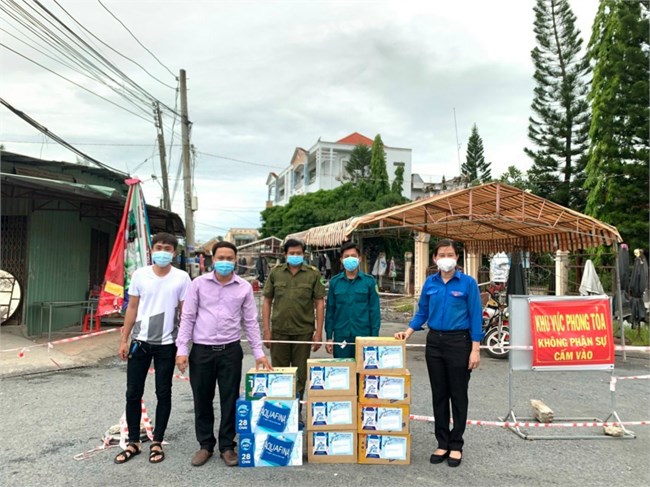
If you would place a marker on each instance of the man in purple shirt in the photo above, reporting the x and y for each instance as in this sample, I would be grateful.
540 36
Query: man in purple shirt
216 304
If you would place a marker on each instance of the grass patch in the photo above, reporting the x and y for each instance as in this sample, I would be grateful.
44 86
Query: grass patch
403 308
639 337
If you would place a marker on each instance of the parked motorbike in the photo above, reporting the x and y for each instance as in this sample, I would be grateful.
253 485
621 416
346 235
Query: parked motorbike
496 330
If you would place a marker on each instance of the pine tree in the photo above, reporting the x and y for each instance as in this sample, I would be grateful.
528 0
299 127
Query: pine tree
358 167
398 182
475 170
560 123
378 172
617 170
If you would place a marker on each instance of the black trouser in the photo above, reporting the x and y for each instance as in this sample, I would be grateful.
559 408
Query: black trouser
137 368
447 356
211 365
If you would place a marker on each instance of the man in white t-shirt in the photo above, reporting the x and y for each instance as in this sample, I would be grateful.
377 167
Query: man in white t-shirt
156 295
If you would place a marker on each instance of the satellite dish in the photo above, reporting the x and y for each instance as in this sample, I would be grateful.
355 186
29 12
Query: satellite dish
10 294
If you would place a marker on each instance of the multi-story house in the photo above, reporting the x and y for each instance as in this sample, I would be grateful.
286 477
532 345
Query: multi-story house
323 167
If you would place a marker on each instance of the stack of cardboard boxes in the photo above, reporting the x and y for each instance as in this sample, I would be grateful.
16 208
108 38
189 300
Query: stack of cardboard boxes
384 401
371 428
331 411
267 419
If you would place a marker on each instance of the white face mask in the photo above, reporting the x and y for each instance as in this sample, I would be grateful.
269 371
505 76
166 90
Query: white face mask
446 264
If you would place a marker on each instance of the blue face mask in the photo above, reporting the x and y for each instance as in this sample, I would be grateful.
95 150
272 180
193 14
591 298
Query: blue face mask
162 258
351 263
294 260
224 267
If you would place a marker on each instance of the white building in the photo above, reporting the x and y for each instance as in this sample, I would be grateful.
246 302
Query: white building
323 167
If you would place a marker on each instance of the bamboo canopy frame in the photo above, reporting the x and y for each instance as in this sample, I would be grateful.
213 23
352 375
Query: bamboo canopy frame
488 218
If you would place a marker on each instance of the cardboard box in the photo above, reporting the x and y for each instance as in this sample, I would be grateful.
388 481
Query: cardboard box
331 377
380 354
384 449
332 446
384 419
279 383
267 416
332 413
385 389
270 450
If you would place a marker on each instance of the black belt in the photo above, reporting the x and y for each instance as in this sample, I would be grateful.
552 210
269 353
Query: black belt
450 332
217 348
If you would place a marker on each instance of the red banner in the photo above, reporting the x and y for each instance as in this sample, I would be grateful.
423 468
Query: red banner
111 297
572 332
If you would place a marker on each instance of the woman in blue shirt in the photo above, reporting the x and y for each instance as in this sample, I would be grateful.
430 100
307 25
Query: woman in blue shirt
450 305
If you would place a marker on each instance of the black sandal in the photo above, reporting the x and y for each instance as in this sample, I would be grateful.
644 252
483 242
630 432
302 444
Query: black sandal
157 455
132 449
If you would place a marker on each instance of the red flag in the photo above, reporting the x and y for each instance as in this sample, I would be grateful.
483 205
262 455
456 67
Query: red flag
112 293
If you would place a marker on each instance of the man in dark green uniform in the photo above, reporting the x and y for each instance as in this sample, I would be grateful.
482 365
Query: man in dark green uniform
293 289
352 304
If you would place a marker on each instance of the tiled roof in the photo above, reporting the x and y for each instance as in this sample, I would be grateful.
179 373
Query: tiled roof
355 139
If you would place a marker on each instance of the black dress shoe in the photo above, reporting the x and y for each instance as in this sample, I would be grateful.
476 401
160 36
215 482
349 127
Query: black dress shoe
438 458
454 462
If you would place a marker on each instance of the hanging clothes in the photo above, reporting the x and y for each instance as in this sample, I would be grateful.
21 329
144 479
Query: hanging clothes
260 269
638 286
499 267
590 283
516 277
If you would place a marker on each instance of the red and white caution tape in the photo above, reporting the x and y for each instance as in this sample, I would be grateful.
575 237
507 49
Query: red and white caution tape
614 380
124 429
21 350
176 376
527 424
343 344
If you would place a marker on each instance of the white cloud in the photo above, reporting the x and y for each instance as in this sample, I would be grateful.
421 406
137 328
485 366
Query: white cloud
265 77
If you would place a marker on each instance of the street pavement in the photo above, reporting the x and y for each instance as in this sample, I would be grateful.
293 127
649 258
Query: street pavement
51 414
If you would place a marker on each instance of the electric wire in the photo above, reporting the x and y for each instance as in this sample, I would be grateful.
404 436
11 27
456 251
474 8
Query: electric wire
136 39
76 84
112 49
53 40
53 136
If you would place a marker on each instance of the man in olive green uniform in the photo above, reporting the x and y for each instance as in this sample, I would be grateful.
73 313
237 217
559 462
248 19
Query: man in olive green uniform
352 304
294 289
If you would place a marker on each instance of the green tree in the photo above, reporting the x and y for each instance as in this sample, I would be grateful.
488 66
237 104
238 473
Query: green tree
378 172
358 167
514 177
559 127
475 170
617 170
398 182
323 207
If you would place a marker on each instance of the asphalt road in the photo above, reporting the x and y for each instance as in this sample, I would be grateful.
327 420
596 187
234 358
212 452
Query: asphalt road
48 418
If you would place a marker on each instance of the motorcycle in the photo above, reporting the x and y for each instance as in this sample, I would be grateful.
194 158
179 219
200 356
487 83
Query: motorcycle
496 330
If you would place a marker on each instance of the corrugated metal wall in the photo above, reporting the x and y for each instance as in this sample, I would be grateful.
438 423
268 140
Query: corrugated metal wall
59 253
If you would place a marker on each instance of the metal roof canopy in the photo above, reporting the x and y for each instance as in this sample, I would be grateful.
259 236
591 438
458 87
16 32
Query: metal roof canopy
489 218
92 201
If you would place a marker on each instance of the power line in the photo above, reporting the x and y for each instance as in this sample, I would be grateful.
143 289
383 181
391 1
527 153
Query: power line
80 57
111 48
70 52
53 136
217 156
84 45
76 84
136 39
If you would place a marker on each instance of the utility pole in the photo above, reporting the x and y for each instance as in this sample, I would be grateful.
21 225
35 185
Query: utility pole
187 170
163 156
460 169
